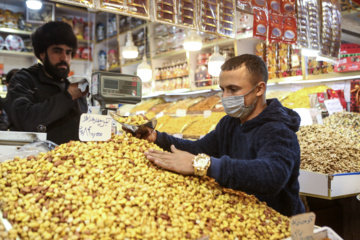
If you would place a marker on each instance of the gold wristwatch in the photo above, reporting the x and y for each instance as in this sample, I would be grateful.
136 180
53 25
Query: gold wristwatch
201 163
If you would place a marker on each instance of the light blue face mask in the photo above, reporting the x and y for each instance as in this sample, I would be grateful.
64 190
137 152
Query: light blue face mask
235 105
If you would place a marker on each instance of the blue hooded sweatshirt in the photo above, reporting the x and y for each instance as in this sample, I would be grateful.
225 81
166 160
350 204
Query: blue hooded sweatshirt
260 157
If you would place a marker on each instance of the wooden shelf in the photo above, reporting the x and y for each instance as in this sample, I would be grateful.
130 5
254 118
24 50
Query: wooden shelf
131 63
170 54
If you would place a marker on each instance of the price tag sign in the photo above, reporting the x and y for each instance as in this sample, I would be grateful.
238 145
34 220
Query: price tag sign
95 127
207 113
180 112
159 115
305 116
140 112
333 106
302 226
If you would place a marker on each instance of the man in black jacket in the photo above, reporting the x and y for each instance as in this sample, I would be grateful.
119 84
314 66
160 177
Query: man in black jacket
40 98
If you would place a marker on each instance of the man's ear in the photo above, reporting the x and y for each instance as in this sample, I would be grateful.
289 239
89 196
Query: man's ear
261 89
42 56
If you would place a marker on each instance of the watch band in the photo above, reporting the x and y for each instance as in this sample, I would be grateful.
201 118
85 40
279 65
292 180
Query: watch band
201 171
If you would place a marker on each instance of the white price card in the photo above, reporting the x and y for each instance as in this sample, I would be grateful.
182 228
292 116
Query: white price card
95 127
140 112
302 226
207 113
180 112
333 106
305 116
159 115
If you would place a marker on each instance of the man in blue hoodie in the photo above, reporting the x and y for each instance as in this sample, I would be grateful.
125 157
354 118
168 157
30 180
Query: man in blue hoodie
253 149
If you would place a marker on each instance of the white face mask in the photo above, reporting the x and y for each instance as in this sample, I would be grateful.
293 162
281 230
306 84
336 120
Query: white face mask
235 105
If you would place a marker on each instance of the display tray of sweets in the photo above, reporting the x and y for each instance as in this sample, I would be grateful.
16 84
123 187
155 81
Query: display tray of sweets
109 190
330 166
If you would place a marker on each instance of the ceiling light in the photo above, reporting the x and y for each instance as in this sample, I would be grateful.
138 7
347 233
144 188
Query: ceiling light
34 4
193 41
130 51
144 70
215 62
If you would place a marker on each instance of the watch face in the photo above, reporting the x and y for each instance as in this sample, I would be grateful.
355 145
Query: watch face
200 162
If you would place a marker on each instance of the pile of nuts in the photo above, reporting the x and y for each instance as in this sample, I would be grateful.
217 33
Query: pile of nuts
109 190
178 124
300 98
347 123
4 235
146 105
132 120
206 104
182 104
327 151
203 126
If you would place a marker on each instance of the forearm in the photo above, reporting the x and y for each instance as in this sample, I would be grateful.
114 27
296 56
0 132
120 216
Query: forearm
27 115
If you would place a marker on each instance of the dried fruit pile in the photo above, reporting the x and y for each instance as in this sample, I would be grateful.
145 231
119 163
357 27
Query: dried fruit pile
327 151
300 98
203 125
108 190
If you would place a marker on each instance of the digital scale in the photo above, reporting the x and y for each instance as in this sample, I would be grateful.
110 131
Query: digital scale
114 88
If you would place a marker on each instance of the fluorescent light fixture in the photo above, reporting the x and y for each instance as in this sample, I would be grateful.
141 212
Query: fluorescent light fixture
144 70
215 62
309 52
34 4
130 51
193 41
326 59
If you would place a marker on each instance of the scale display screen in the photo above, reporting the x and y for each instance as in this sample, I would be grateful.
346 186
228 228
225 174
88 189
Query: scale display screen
114 87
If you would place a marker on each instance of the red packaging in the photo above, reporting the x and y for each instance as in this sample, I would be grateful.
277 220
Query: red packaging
339 94
274 6
260 4
86 53
260 24
355 96
275 28
290 30
288 7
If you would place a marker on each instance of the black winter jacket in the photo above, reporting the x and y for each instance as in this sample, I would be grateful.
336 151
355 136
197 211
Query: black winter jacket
37 103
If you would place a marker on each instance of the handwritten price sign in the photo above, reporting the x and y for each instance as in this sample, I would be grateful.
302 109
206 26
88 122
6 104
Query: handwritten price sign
302 226
95 127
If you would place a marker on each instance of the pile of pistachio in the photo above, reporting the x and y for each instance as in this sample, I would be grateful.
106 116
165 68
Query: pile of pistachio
109 190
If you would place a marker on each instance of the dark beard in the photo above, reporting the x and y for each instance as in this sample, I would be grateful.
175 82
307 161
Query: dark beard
53 71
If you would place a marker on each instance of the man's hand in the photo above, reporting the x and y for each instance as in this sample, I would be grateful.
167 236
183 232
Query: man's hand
176 161
75 92
149 135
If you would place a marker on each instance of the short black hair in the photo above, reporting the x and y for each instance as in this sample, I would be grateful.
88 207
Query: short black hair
53 33
254 64
10 74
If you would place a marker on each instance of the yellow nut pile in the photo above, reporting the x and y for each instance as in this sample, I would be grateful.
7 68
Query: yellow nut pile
300 98
133 120
178 124
327 151
205 104
161 121
109 190
203 125
4 235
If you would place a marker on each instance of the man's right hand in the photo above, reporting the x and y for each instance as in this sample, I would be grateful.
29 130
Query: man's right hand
149 135
75 92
